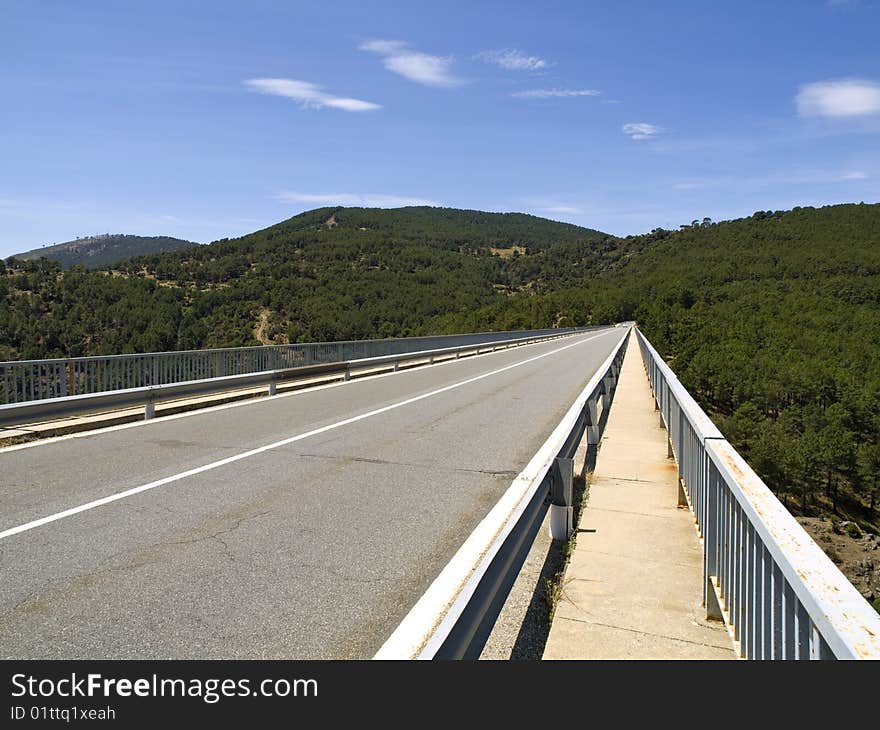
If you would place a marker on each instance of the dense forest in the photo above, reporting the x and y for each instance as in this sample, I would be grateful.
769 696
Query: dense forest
94 252
771 321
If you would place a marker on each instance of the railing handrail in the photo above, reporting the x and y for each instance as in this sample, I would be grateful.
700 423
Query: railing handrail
12 414
696 415
841 623
31 380
845 620
251 348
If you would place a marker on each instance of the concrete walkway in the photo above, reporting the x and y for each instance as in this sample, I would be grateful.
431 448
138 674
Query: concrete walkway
633 587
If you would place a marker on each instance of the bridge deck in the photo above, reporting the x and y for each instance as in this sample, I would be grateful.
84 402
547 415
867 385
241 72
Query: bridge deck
300 526
633 587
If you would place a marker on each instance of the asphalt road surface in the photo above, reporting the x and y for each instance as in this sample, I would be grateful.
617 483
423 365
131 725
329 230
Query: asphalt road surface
295 527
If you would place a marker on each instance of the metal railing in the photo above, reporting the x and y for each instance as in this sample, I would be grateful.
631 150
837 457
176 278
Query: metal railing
29 380
779 594
455 616
35 411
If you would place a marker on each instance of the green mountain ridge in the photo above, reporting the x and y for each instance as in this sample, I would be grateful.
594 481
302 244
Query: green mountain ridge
94 252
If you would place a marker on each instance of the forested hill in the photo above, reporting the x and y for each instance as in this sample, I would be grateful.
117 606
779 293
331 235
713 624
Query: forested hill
511 249
95 252
771 321
326 274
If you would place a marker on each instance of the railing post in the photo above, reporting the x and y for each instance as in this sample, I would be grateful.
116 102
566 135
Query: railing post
65 369
561 498
149 410
682 494
711 532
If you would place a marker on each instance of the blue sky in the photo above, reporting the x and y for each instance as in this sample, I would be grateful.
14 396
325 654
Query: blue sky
209 120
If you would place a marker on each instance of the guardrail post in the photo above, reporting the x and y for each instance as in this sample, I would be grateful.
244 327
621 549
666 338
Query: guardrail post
561 498
149 410
607 390
347 375
592 421
273 388
396 365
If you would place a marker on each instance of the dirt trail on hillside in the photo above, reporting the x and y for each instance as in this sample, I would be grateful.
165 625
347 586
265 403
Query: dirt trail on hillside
262 328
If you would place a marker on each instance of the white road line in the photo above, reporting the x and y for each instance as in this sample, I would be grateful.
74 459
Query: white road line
268 447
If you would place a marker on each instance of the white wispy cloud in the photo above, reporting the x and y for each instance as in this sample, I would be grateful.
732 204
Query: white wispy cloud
423 68
513 60
554 93
364 200
386 48
309 95
815 177
641 130
561 205
843 98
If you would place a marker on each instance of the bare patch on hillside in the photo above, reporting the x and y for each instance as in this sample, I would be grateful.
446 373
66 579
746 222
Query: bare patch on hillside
507 253
261 331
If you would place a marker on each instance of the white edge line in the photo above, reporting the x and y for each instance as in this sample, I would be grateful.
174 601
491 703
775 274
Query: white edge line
268 447
254 401
447 596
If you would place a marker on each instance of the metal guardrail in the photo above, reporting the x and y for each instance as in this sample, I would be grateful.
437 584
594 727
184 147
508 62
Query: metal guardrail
13 414
28 380
779 594
455 616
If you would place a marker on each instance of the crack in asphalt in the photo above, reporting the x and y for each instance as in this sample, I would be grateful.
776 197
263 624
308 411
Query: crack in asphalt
384 462
32 601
